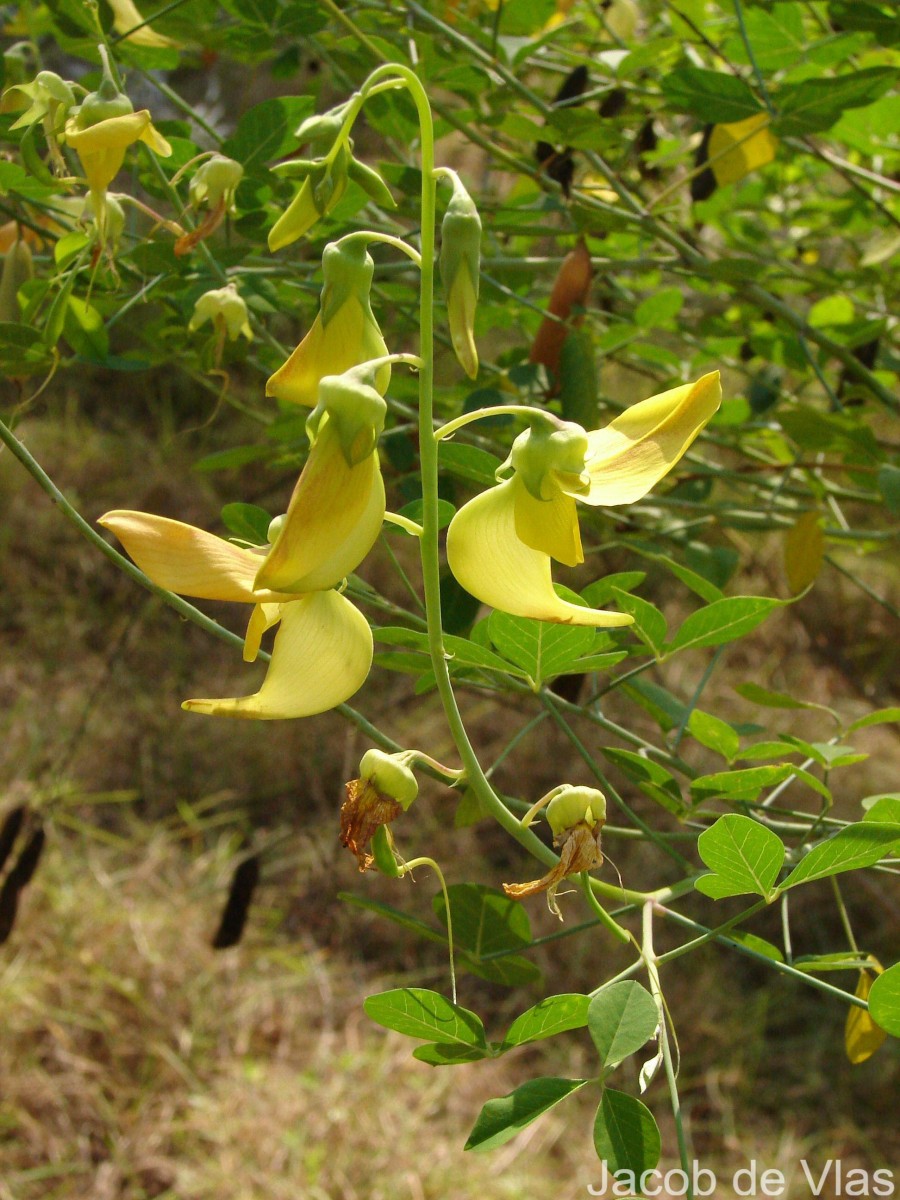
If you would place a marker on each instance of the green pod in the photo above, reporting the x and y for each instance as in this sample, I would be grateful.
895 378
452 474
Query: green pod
383 853
17 269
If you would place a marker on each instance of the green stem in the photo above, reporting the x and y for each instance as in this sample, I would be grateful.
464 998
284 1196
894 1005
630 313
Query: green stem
428 449
479 414
602 915
429 862
649 957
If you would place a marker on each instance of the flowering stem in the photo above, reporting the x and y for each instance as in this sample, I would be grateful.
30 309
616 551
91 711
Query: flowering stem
478 414
428 450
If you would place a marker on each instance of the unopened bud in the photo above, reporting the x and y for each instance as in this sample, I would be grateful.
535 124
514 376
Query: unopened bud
17 269
460 267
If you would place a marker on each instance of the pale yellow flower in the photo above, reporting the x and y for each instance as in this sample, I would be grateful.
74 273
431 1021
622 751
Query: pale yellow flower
500 545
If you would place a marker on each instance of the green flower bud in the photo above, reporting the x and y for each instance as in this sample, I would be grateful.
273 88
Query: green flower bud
460 266
355 407
323 127
322 188
550 456
17 63
215 181
275 527
390 776
103 104
372 183
576 806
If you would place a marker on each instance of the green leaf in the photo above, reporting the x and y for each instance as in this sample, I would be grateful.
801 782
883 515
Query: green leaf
413 512
248 522
816 104
602 591
714 733
552 1015
770 699
485 921
420 1013
626 1136
757 944
468 462
540 648
884 1000
859 845
742 855
722 621
84 330
226 460
439 1054
649 622
267 131
712 96
651 777
503 1118
704 588
621 1018
743 784
884 809
883 716
404 920
660 309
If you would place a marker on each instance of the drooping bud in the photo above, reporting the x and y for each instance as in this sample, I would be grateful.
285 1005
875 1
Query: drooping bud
226 309
17 269
385 788
460 267
323 127
214 183
322 188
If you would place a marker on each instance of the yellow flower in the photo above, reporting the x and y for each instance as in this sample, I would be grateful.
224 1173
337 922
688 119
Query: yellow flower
102 147
323 649
500 545
344 333
226 308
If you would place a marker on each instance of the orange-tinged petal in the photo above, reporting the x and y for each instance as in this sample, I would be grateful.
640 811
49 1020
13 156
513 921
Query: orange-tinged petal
627 458
322 655
351 337
332 522
490 561
187 560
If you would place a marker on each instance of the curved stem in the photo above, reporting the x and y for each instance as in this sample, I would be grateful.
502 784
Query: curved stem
370 235
429 862
478 414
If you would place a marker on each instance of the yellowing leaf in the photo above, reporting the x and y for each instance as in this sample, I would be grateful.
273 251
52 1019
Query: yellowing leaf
804 549
862 1036
741 147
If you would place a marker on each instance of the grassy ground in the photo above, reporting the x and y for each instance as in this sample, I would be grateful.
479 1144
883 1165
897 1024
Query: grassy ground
137 1062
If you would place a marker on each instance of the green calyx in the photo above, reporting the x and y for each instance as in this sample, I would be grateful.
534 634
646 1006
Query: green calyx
104 104
348 270
354 407
390 775
549 457
576 806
